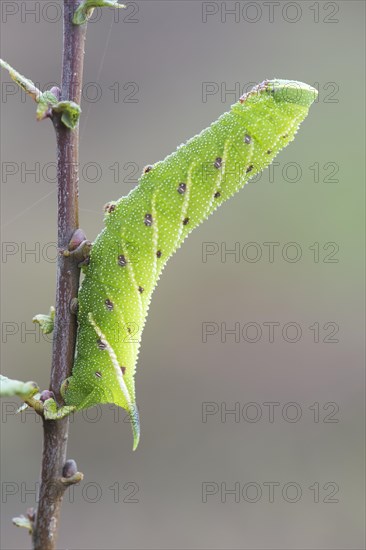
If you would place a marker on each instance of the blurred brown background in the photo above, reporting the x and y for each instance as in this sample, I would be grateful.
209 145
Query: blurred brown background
155 75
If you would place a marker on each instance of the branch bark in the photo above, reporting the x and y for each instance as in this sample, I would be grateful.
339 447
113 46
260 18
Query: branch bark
56 432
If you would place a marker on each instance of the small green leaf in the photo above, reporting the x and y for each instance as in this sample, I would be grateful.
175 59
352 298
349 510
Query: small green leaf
51 412
9 388
45 103
86 8
70 113
46 322
43 111
46 100
22 521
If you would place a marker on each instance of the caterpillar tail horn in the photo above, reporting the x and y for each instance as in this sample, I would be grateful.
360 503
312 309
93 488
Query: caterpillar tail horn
135 424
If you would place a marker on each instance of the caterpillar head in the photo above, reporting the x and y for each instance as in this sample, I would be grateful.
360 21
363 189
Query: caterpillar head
283 92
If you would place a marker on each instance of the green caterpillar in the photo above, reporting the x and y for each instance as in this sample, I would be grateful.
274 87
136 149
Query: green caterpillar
145 228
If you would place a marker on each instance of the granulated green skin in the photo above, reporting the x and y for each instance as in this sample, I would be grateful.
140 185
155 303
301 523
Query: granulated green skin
145 228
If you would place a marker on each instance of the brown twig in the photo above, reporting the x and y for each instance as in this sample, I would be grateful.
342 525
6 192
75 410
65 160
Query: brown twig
56 432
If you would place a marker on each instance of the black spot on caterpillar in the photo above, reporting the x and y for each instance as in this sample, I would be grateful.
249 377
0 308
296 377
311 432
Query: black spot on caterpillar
122 260
101 345
218 163
148 220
